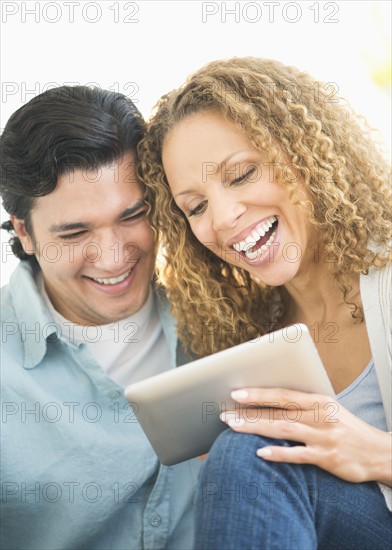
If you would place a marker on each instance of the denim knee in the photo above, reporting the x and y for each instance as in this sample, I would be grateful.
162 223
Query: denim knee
239 446
231 451
233 458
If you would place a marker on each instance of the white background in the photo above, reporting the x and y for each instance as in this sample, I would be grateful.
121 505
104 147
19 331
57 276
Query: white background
143 49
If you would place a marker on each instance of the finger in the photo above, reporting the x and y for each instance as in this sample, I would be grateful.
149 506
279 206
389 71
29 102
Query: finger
278 429
253 414
295 455
323 416
280 398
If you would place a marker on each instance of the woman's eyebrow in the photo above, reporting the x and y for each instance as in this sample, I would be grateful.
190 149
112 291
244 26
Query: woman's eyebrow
219 168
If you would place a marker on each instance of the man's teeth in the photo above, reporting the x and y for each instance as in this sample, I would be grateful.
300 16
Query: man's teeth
112 280
254 236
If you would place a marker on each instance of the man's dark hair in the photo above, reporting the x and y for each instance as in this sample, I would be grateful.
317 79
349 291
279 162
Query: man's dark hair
62 129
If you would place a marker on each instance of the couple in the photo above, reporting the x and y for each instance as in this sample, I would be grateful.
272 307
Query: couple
271 206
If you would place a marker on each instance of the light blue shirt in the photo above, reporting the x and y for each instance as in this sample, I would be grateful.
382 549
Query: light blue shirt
77 471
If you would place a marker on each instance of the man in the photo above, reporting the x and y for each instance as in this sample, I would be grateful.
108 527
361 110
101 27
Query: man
81 319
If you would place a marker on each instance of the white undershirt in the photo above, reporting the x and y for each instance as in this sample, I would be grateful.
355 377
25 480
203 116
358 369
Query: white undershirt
128 350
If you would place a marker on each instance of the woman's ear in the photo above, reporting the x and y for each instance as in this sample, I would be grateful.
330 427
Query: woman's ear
24 237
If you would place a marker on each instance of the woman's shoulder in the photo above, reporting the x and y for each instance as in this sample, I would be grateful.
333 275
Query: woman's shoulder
376 288
378 279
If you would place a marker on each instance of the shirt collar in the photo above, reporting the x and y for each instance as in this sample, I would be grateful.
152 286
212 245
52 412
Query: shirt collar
35 322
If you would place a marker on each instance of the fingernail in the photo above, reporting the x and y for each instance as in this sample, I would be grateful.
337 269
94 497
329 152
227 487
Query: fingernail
232 422
239 394
263 452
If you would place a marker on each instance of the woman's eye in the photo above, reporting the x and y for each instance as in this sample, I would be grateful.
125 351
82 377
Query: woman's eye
199 209
245 177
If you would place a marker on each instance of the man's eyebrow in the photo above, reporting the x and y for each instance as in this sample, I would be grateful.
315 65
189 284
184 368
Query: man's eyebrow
132 209
62 227
58 228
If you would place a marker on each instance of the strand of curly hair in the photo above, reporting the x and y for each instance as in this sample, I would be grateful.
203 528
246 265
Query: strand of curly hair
304 128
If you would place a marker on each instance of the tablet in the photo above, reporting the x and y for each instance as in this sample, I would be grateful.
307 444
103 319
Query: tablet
179 409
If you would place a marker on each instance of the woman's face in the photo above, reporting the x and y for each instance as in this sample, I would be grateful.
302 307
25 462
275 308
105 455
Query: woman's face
227 190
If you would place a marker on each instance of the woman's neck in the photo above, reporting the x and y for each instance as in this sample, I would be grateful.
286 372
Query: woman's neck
315 296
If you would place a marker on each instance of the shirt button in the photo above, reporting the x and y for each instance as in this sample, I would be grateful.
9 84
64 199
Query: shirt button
155 521
113 394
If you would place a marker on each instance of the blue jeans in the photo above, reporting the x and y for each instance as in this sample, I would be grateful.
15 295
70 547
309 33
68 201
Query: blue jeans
246 503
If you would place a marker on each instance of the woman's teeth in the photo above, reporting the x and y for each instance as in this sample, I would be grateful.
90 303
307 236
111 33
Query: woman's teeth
113 280
254 236
253 254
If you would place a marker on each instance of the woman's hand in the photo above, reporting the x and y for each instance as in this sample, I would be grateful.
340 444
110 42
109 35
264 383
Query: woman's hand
332 438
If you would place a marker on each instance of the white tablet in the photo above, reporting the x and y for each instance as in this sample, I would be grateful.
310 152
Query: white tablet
179 409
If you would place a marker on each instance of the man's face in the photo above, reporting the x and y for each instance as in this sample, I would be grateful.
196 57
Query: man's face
93 243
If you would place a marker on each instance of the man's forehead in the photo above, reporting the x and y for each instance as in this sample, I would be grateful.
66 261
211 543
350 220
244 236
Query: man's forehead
80 193
113 172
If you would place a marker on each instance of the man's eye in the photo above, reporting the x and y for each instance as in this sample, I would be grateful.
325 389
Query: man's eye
73 235
245 177
199 209
135 216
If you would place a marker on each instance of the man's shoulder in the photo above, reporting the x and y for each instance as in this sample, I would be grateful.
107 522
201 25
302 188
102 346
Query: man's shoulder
20 283
12 349
22 316
7 304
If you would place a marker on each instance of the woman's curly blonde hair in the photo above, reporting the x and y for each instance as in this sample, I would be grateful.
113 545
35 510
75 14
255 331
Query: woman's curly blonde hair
287 113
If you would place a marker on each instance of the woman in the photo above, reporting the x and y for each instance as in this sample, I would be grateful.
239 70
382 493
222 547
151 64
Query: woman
273 207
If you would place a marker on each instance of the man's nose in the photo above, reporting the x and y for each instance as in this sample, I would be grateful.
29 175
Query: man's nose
112 251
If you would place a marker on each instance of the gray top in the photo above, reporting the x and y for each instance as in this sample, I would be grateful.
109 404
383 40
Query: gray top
363 398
